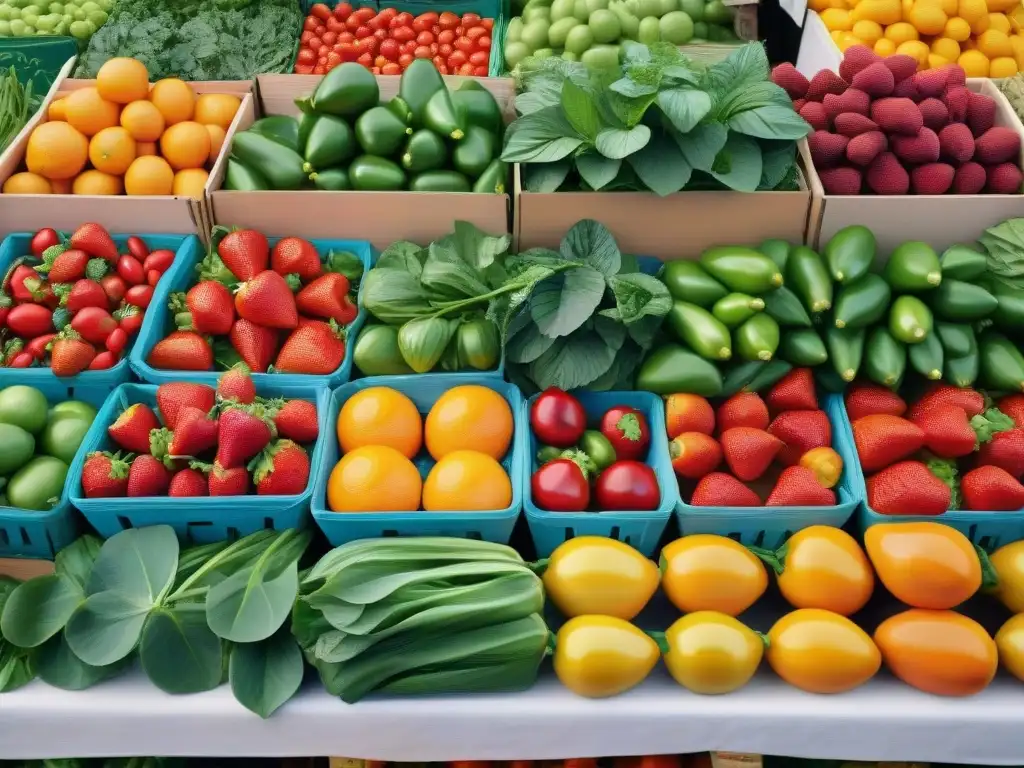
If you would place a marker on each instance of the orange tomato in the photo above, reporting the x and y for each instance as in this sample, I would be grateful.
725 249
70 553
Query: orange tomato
469 418
711 573
1010 642
374 478
925 565
380 416
940 652
467 481
825 568
1008 562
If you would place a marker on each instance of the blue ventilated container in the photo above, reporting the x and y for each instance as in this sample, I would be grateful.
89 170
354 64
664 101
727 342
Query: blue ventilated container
30 533
201 519
770 526
641 530
424 391
159 323
187 250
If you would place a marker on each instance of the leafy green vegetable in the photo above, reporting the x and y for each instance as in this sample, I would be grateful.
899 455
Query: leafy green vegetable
1005 246
17 104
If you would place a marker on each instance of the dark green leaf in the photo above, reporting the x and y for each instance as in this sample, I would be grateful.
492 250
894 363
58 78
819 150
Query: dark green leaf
597 170
562 303
76 560
701 146
17 667
572 362
544 136
770 121
638 295
619 375
527 345
546 177
580 110
777 160
473 246
449 277
402 255
684 107
618 143
661 166
611 332
39 609
138 563
632 89
106 628
590 242
267 674
252 604
179 653
738 165
394 296
60 667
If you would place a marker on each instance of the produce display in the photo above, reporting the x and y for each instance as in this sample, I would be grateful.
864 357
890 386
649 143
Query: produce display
387 41
78 18
883 127
75 302
20 103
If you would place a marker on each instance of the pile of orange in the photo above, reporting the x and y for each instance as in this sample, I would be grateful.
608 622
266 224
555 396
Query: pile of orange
124 137
467 432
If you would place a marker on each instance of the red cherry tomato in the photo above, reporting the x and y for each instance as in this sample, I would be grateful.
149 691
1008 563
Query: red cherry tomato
362 32
139 295
446 36
391 68
483 43
560 486
422 52
116 340
460 31
319 31
342 11
627 485
322 61
487 24
349 51
405 19
404 34
346 37
469 19
557 418
465 45
410 47
335 26
303 69
425 38
365 14
378 22
406 59
366 59
381 34
379 61
323 51
448 20
476 32
375 70
321 11
311 23
304 37
353 22
627 430
425 22
481 71
434 49
314 43
479 58
466 70
445 49
329 38
305 56
457 59
441 65
390 50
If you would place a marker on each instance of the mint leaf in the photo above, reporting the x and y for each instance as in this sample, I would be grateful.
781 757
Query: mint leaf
638 295
590 242
738 165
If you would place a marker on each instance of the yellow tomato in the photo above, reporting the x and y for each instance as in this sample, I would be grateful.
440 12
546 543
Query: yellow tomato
900 32
600 656
712 573
971 10
928 19
597 575
1004 66
973 62
994 44
825 568
821 652
1008 562
882 11
1000 22
916 49
925 565
709 652
825 463
946 47
837 19
885 47
1010 643
957 29
870 32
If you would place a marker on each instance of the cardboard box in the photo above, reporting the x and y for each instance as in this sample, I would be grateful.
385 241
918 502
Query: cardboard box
677 226
939 220
121 214
380 217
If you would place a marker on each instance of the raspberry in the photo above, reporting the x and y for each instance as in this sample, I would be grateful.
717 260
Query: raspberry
815 115
934 113
799 104
875 80
852 100
786 76
981 113
997 145
923 148
897 116
826 81
901 66
932 179
955 75
827 149
956 143
854 124
969 179
957 98
1004 179
906 89
841 181
931 82
855 59
866 147
887 177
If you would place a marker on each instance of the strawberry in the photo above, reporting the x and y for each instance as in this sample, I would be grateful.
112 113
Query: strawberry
949 433
267 300
94 240
182 351
316 348
104 475
694 454
911 488
38 346
82 294
863 399
327 297
70 354
991 489
255 344
749 451
172 398
883 440
245 252
104 360
94 324
115 288
1005 450
243 432
1013 406
188 482
801 431
225 482
297 420
794 392
207 308
129 317
282 469
131 429
237 384
194 434
148 477
744 409
720 489
68 266
799 487
295 256
971 401
688 413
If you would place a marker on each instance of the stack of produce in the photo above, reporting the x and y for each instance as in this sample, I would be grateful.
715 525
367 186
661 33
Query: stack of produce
426 139
78 18
75 303
39 441
386 42
206 442
289 310
20 104
883 128
572 457
123 137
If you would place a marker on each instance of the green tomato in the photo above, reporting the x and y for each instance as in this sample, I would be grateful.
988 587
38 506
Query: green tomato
57 8
62 437
5 12
717 12
537 14
39 484
700 29
97 18
601 57
650 30
676 28
599 448
515 29
18 27
23 406
515 52
579 39
77 15
77 408
61 28
649 8
694 8
5 28
544 53
597 5
581 10
560 30
80 29
562 9
29 18
16 447
535 35
667 6
605 26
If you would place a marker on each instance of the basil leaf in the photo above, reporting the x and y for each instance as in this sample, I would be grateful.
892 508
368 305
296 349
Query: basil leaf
544 136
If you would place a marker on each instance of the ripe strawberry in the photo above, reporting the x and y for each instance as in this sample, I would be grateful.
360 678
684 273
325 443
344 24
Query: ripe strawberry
720 489
794 392
182 351
744 409
188 482
282 469
950 433
1013 406
749 451
991 489
96 241
801 431
243 432
316 348
195 433
971 401
327 297
295 256
1006 451
883 440
864 399
694 454
224 482
207 308
688 413
172 398
236 384
70 354
94 324
68 266
799 487
255 344
129 317
81 294
131 429
267 300
297 420
148 477
909 488
104 476
245 252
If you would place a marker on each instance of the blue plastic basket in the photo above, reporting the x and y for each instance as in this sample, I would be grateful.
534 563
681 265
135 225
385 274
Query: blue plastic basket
30 533
342 527
771 526
202 519
159 323
641 530
186 247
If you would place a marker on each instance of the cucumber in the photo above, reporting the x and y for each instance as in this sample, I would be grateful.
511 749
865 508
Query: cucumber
846 350
783 305
803 347
927 357
885 359
757 338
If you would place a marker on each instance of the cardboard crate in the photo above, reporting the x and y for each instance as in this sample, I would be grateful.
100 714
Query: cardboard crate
380 217
939 220
121 214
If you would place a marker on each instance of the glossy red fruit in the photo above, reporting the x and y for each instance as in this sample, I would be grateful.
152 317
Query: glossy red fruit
627 485
557 418
627 430
560 486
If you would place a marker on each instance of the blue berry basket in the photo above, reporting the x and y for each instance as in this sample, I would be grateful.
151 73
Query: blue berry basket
201 519
187 250
641 530
496 526
159 324
31 533
770 526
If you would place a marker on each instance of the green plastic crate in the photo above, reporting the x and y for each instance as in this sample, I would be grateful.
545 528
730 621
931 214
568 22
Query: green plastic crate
38 59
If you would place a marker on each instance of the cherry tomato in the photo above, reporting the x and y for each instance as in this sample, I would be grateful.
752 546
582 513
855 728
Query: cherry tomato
403 34
391 68
410 47
390 50
425 38
342 11
557 418
465 45
379 61
311 23
483 43
364 14
304 37
627 430
425 22
560 486
333 60
405 19
479 59
375 70
321 11
303 69
434 49
460 31
349 51
441 65
322 61
116 340
314 43
457 59
469 19
305 56
407 58
475 32
448 20
487 24
319 31
362 32
329 38
378 22
323 50
335 26
628 485
346 37
436 29
466 70
366 59
352 23
481 71
445 49
446 36
370 44
381 34
421 52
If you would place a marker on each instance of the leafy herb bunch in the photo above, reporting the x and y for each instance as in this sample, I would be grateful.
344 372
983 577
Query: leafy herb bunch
659 122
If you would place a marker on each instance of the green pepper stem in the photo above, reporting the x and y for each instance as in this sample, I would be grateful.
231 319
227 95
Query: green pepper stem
764 639
660 639
538 566
989 575
768 557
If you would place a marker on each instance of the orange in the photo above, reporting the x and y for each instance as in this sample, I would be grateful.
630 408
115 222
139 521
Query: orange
175 100
994 44
957 29
27 184
928 19
217 136
56 110
122 80
143 121
885 47
868 31
946 47
112 150
144 148
217 109
470 418
974 63
900 32
185 145
97 183
1003 66
56 150
380 416
89 112
980 26
190 183
61 186
374 478
148 176
999 22
467 481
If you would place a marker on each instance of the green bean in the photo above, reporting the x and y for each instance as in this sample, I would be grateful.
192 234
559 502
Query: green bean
15 107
